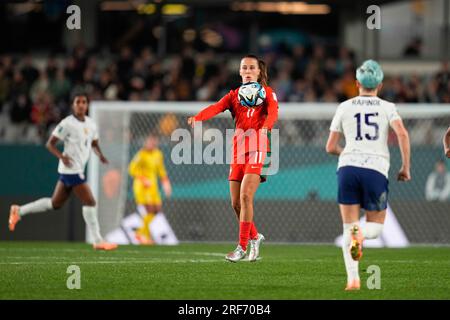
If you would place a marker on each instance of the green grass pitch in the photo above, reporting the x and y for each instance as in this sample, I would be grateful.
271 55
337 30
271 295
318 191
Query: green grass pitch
38 270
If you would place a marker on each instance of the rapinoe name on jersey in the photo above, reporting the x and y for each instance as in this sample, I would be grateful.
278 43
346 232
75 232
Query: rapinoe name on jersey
367 102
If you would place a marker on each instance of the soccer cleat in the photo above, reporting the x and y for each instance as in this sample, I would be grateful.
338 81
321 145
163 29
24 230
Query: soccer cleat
104 246
14 217
144 240
236 255
356 243
353 285
254 247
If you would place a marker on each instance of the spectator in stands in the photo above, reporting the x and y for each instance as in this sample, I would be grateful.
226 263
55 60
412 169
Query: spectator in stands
39 86
59 86
414 48
4 87
20 110
314 73
438 183
443 78
42 114
29 71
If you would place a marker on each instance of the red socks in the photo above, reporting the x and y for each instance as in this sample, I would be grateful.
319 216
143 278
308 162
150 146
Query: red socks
253 231
244 234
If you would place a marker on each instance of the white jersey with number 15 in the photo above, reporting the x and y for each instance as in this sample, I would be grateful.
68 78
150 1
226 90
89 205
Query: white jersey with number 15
364 121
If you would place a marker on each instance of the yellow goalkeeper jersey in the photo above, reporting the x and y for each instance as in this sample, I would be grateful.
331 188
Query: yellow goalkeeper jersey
149 165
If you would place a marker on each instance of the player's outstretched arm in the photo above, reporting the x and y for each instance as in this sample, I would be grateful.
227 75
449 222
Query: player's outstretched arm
98 152
51 146
446 142
333 146
211 110
405 149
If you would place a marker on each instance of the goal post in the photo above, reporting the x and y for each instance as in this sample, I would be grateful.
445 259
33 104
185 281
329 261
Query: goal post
297 204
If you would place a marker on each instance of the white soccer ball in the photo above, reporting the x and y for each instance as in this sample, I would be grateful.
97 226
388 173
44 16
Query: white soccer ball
251 94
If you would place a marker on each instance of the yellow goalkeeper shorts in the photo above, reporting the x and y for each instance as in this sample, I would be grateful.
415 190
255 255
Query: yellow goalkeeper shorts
147 196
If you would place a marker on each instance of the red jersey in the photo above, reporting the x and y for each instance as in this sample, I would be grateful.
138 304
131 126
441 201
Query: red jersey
248 120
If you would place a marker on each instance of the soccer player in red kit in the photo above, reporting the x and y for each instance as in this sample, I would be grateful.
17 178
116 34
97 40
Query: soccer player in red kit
250 147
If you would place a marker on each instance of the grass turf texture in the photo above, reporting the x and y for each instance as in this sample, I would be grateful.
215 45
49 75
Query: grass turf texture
37 270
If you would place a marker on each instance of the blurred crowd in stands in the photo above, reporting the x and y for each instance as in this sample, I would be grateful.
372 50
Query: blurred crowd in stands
35 92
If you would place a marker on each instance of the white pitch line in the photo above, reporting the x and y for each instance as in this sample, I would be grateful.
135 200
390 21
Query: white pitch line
110 262
216 254
121 251
180 261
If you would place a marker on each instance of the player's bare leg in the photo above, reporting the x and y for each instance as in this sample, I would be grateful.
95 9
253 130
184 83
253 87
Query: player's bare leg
60 196
83 192
235 194
250 184
350 219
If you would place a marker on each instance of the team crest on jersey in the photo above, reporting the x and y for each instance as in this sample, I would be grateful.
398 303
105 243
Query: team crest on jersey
86 131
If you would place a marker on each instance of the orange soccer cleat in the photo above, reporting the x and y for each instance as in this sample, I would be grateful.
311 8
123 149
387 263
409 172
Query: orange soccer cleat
105 246
144 240
14 217
353 285
356 243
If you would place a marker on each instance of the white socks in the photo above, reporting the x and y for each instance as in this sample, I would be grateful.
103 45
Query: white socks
351 266
372 230
90 217
41 205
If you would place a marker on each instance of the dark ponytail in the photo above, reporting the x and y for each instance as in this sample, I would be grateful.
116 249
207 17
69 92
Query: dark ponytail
263 77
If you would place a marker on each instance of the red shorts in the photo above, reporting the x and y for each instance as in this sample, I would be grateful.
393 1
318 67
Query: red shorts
253 163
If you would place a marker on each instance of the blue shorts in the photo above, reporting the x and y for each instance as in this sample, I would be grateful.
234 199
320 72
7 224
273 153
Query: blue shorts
366 187
71 180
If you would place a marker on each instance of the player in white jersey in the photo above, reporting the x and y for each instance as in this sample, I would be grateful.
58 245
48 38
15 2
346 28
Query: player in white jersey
79 134
363 164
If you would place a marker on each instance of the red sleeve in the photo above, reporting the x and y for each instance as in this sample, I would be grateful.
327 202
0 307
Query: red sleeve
272 109
216 108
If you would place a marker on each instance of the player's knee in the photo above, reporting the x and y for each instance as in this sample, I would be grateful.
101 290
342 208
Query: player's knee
246 198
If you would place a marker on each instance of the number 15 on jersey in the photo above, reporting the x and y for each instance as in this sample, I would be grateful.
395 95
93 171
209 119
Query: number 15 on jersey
368 122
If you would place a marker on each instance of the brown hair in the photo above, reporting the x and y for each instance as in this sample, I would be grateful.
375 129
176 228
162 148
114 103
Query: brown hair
263 77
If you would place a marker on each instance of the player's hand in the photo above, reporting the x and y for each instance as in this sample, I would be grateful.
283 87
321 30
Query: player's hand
404 175
66 160
167 188
447 153
104 160
191 121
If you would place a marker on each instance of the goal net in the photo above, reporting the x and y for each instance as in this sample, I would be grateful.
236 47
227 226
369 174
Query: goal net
297 204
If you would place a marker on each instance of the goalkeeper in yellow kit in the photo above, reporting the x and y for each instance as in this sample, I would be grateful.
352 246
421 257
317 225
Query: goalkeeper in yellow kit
145 168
